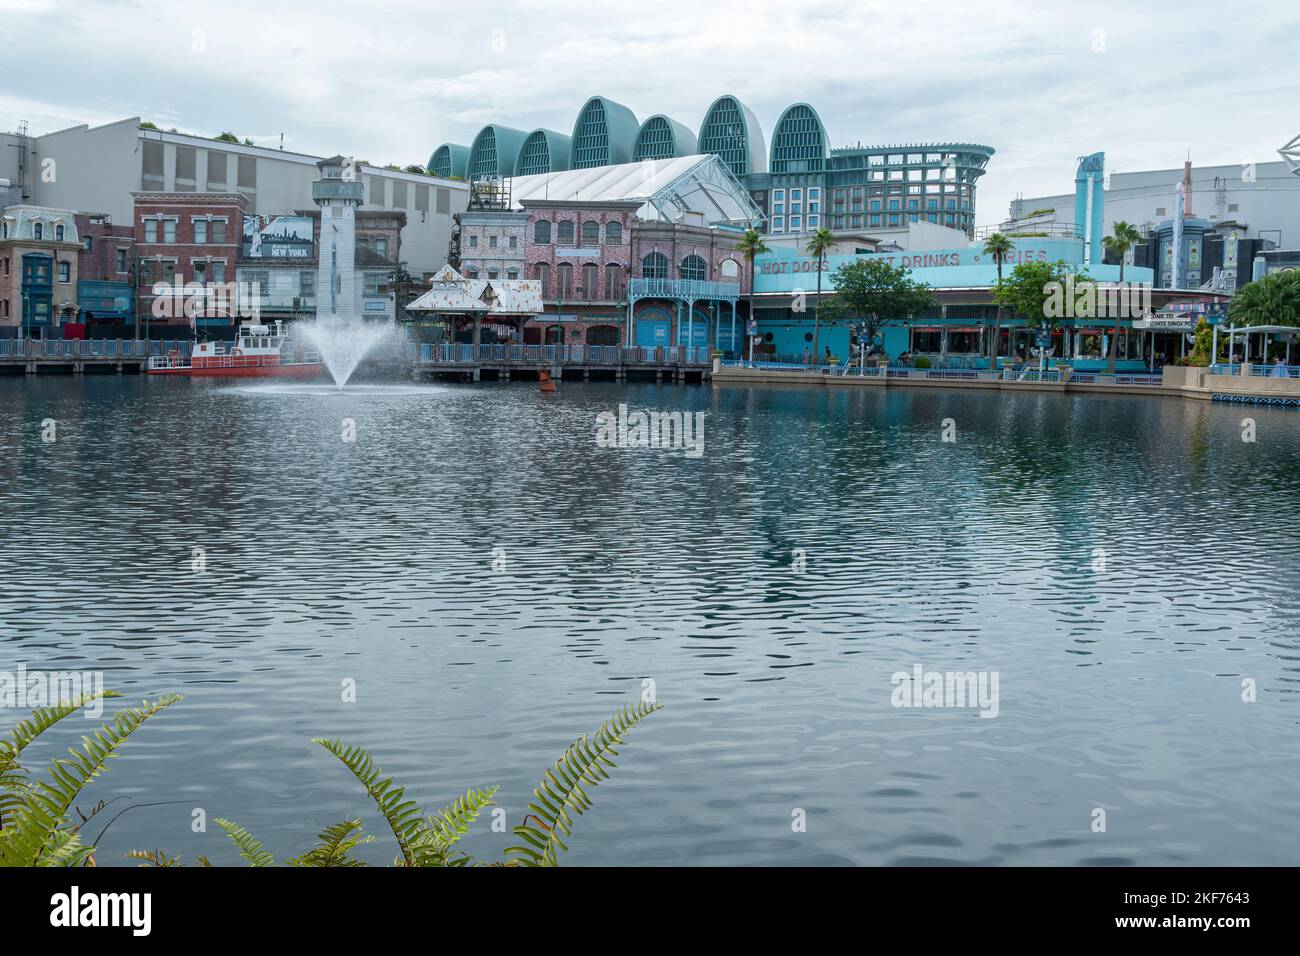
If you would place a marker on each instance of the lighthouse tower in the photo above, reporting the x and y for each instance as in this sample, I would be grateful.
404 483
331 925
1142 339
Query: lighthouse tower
339 194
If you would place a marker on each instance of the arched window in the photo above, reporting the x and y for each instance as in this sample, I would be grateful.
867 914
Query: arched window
564 232
729 268
693 267
655 266
542 232
58 233
613 281
590 281
613 233
564 278
542 272
591 233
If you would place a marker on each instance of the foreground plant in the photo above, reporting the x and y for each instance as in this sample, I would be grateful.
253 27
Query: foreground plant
432 840
35 826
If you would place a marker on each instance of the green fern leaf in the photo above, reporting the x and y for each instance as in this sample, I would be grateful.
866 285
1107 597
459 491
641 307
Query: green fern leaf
249 848
562 794
336 842
403 815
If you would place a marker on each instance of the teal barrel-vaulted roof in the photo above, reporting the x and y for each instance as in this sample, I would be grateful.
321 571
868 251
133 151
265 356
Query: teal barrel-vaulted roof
663 138
449 160
544 151
603 134
731 131
799 143
495 150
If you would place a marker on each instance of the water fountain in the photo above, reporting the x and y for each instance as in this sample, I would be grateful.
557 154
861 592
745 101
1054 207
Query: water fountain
343 343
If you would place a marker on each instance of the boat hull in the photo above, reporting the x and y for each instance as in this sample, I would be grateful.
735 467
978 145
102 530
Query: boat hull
288 370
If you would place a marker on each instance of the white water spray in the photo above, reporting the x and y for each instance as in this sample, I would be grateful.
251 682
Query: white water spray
343 343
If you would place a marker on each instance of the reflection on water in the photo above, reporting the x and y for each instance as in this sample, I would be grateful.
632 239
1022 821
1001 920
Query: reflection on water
1122 564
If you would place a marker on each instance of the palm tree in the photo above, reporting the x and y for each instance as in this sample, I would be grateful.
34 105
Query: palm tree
1124 238
820 243
999 247
751 246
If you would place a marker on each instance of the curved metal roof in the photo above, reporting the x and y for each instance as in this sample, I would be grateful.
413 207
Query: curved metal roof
495 150
544 151
799 143
731 131
662 137
449 160
603 134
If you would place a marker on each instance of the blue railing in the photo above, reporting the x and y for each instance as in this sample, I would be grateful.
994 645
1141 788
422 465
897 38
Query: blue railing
1271 371
464 354
685 289
75 348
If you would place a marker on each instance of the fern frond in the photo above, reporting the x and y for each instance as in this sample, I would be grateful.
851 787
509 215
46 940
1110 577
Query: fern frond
403 815
154 858
561 795
336 842
34 827
444 828
42 719
249 847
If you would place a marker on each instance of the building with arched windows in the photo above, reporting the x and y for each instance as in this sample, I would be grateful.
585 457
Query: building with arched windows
801 183
494 153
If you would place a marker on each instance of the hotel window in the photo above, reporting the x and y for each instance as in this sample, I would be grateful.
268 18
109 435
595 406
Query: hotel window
514 242
893 219
590 233
912 217
151 230
542 232
912 204
58 233
200 231
613 233
218 230
893 204
814 222
951 219
796 195
951 204
933 217
169 230
564 232
218 272
813 207
169 272
381 247
796 223
492 243
38 231
65 272
778 195
875 220
121 260
473 242
200 272
778 224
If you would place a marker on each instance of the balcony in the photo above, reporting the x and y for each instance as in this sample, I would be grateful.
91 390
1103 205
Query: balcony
687 290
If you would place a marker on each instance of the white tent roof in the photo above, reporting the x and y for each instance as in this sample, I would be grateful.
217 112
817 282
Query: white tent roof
451 292
666 188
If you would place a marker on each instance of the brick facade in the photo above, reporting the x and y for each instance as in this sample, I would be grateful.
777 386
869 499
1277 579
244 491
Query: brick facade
38 271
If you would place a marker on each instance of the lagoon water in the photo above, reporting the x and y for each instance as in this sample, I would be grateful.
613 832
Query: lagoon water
495 584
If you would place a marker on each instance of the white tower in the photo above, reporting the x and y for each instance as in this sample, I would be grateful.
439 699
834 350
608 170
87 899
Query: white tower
339 194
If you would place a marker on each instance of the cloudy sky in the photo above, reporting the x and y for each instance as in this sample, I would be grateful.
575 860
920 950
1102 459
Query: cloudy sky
388 80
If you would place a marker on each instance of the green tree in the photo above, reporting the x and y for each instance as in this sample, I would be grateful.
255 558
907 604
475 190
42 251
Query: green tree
751 246
873 293
818 245
1031 284
999 247
1124 238
1272 300
227 138
145 124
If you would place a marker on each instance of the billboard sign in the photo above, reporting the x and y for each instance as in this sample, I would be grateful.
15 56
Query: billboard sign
284 237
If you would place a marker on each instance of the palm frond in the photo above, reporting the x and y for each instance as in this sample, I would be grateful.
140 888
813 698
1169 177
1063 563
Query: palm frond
249 847
561 795
336 842
403 815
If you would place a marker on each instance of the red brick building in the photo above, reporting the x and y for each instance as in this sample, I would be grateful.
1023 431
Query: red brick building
184 238
105 275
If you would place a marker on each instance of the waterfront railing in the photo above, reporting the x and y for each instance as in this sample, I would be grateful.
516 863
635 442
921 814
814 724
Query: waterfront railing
599 355
54 349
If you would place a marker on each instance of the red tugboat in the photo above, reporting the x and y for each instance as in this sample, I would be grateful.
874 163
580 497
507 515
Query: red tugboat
257 351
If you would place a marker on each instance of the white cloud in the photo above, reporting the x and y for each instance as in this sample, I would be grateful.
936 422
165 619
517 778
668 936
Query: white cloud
390 80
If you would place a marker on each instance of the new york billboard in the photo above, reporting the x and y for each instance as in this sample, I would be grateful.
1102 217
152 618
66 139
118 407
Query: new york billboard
284 237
